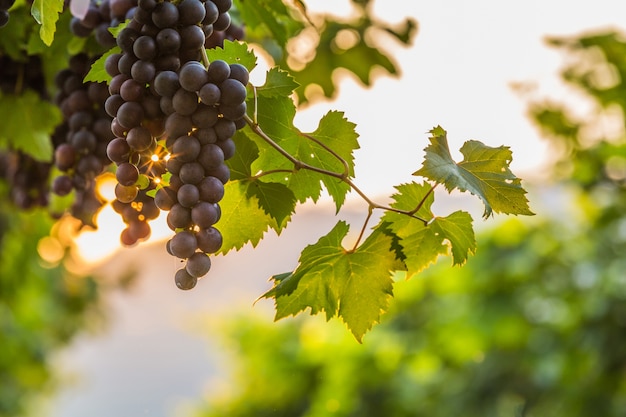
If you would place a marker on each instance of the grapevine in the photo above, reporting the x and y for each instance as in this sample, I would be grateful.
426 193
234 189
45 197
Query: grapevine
163 100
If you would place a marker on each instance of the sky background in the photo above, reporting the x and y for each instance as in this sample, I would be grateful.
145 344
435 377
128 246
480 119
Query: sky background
457 74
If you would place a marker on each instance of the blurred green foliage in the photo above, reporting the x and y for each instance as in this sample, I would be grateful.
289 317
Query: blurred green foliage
42 307
533 325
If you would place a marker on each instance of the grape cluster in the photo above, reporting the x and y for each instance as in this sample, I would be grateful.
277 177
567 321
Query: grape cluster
171 114
5 5
81 140
206 106
100 16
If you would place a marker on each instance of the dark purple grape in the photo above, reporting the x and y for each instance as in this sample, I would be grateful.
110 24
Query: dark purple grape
166 83
184 280
143 71
185 102
193 76
186 149
131 90
222 23
212 13
233 92
118 150
188 196
192 38
209 94
62 185
130 114
183 244
127 174
168 41
191 173
198 264
64 157
177 125
240 73
209 240
165 15
225 129
165 198
139 138
211 156
145 47
211 189
218 71
203 214
191 12
179 217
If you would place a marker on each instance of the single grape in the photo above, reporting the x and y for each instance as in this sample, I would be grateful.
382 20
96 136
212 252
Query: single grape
127 174
203 214
191 173
218 71
179 217
188 196
211 189
184 280
186 148
209 240
183 244
193 76
198 264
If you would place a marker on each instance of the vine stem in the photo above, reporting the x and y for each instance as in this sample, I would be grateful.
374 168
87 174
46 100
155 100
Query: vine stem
344 176
205 58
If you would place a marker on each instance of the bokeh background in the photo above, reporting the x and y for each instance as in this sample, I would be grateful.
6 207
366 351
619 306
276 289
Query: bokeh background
533 325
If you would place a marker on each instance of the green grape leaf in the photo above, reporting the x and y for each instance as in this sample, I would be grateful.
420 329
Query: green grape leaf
241 161
354 285
233 52
275 116
278 84
457 229
337 133
275 199
423 237
419 243
483 172
31 123
268 19
243 220
97 73
46 13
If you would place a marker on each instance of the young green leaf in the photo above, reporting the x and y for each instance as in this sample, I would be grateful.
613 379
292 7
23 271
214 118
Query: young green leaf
46 13
423 237
233 52
278 83
31 123
483 172
97 73
354 285
269 19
